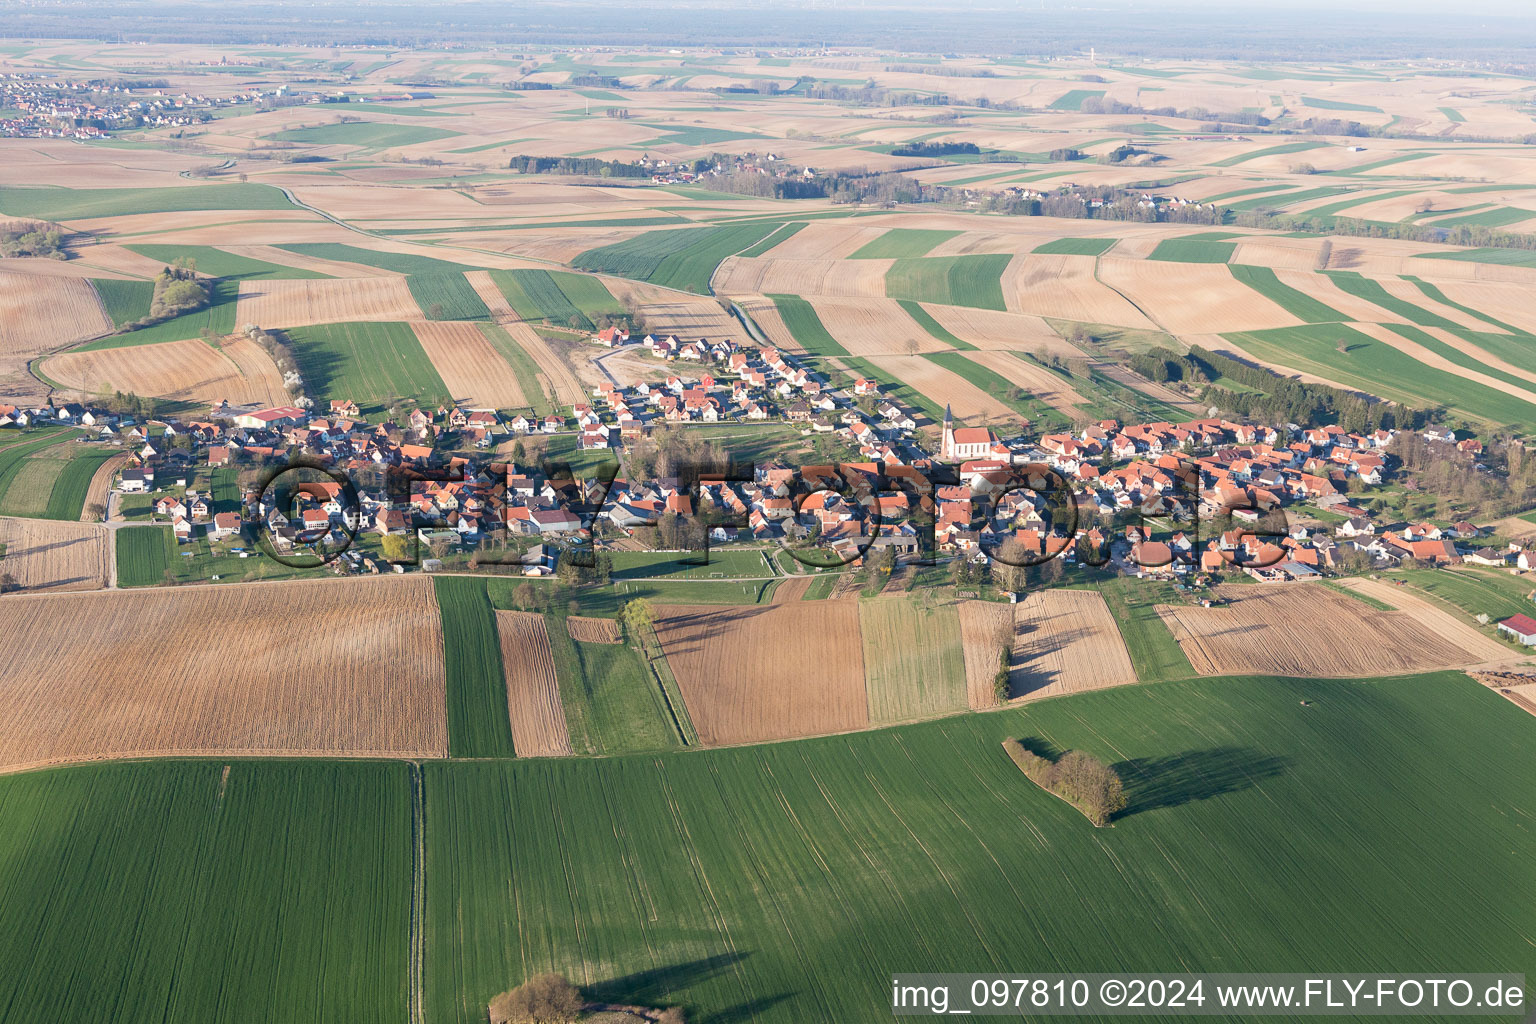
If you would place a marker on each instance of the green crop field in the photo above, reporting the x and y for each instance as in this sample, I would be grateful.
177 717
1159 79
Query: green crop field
71 487
523 366
217 262
782 234
1193 250
913 665
1505 257
398 262
1284 199
1496 217
478 725
683 258
1282 150
901 242
724 563
950 280
447 296
1294 301
1075 246
1153 650
374 365
999 387
124 301
560 296
793 878
1073 99
1372 291
801 319
1377 368
368 134
932 326
144 553
50 203
1492 593
612 702
218 316
1452 114
1313 101
210 891
42 478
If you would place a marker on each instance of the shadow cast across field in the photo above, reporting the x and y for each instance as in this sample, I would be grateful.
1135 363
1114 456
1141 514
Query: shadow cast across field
654 987
1177 779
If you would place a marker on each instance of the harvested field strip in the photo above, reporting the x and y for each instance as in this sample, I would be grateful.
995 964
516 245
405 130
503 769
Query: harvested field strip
788 693
472 371
869 327
1294 301
189 370
914 665
555 374
792 589
950 280
479 720
210 891
1067 643
782 850
1282 150
529 377
803 277
1192 250
899 243
100 483
1192 298
1273 629
318 698
278 305
1067 288
611 700
925 320
986 629
682 258
374 365
941 386
1015 369
221 263
45 555
1433 292
1436 621
533 696
593 631
40 313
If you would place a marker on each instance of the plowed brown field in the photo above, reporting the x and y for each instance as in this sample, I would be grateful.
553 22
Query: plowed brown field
985 626
592 631
190 370
337 668
767 672
533 695
274 305
1306 629
1067 643
47 554
474 372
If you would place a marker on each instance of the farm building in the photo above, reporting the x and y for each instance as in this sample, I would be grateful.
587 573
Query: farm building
1521 627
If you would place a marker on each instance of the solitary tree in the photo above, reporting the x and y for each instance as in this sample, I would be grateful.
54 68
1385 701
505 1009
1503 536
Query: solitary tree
639 616
8 583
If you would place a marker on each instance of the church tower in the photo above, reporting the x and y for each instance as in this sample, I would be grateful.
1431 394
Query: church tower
947 446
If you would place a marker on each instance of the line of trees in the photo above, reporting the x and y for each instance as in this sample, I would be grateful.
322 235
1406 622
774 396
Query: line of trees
1078 777
1287 400
577 165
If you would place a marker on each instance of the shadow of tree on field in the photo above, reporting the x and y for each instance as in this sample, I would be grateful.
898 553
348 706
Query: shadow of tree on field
659 985
742 1012
1178 779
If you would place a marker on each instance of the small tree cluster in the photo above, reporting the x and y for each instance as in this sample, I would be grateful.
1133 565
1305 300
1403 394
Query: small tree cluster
1077 777
547 999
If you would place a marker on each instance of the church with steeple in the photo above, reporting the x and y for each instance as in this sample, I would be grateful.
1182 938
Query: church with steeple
965 442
